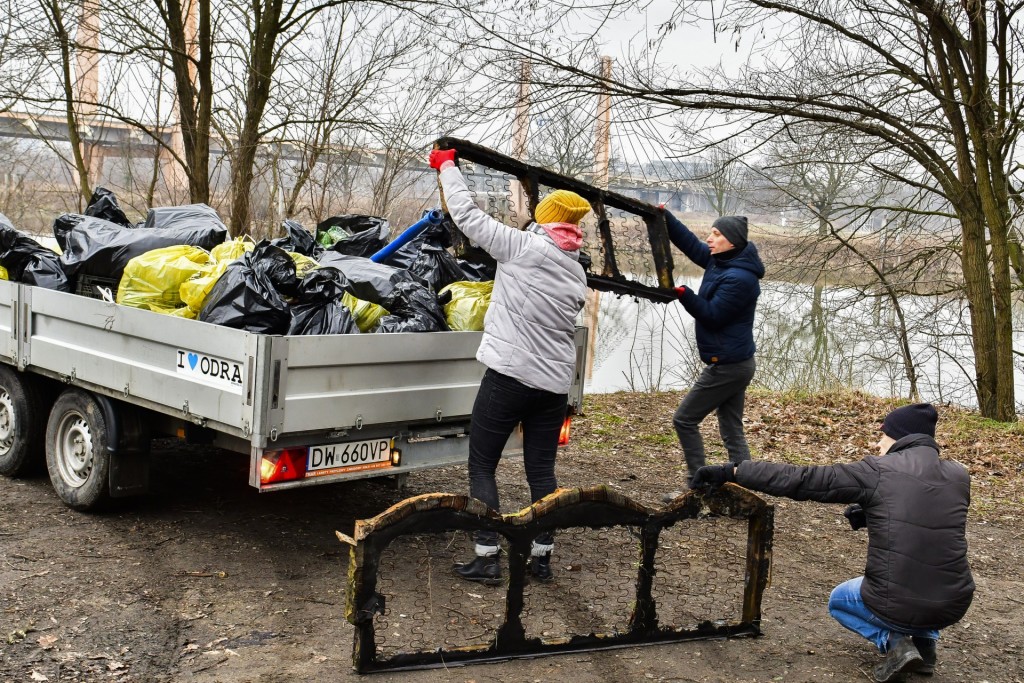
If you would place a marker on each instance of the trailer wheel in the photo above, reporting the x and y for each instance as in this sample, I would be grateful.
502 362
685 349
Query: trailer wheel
21 425
76 450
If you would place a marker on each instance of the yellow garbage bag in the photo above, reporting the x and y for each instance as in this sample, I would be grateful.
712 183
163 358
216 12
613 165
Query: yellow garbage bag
232 249
365 314
3 274
303 264
470 301
153 279
194 290
181 312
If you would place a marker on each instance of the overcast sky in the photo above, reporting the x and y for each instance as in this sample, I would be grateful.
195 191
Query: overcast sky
688 45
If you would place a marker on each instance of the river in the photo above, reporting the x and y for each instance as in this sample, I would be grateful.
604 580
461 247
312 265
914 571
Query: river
808 339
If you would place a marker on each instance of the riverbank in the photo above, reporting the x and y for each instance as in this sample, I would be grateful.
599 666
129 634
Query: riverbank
632 432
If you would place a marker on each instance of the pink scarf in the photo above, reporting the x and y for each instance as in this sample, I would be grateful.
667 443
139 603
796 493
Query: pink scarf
567 236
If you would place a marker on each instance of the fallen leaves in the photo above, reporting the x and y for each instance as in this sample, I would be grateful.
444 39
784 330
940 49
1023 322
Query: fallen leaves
796 428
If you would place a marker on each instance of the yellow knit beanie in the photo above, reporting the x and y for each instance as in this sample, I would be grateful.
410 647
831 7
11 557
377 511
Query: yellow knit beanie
562 206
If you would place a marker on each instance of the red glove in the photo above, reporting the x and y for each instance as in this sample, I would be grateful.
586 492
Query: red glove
679 292
439 156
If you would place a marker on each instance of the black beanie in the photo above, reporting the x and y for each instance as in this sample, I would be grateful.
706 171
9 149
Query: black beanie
919 418
733 228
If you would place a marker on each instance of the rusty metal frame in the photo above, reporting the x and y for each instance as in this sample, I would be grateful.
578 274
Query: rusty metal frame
594 508
610 279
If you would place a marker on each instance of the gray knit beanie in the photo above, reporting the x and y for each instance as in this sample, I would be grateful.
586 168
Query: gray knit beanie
733 228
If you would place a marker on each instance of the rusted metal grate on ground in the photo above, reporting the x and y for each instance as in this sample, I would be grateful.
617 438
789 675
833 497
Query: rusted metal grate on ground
624 575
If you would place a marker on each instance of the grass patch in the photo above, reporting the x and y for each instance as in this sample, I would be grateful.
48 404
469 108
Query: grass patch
802 428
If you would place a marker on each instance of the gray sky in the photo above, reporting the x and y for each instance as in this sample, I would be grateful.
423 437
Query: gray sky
688 45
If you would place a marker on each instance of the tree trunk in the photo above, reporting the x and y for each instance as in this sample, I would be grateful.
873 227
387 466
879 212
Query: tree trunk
978 287
266 28
195 104
56 16
241 179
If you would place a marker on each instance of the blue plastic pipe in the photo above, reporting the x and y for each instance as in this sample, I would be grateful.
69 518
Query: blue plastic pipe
434 217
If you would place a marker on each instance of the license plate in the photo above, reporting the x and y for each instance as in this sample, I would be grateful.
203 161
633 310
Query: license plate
351 456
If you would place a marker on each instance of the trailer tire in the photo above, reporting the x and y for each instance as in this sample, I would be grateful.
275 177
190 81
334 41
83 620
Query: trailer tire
22 429
77 457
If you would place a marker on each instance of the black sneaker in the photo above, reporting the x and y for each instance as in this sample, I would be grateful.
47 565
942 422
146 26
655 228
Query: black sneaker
540 567
902 658
926 647
485 570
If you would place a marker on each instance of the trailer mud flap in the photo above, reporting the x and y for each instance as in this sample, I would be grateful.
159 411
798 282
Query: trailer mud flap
128 450
624 575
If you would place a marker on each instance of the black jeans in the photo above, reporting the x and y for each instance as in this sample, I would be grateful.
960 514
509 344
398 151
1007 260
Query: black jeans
722 388
501 404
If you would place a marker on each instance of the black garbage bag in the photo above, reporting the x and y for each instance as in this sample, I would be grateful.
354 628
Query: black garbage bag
246 297
438 236
413 307
281 273
437 267
415 310
298 239
318 308
97 247
428 258
103 204
189 216
369 281
63 224
478 272
354 234
28 261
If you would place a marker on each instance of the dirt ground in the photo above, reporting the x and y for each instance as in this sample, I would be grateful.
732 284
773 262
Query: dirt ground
205 580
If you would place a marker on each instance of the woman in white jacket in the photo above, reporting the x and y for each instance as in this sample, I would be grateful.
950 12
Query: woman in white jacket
528 347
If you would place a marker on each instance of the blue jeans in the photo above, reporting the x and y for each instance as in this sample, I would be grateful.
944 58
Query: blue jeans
847 607
501 404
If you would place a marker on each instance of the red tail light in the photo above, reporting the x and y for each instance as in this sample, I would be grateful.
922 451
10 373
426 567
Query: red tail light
563 436
286 465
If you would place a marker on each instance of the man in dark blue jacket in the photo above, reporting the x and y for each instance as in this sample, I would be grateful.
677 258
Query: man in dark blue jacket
723 313
917 579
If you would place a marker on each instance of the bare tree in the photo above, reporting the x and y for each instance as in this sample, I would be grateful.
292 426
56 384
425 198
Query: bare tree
59 44
272 34
932 83
562 139
722 177
188 36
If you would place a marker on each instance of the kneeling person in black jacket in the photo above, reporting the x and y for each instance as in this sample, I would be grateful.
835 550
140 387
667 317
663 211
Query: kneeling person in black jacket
914 505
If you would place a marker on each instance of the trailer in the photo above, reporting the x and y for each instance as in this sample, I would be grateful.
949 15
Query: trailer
86 384
89 383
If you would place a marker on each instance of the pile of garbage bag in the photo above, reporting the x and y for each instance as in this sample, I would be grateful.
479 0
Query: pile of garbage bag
180 261
25 260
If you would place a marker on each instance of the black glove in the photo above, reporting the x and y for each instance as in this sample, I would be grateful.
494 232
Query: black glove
713 475
855 516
